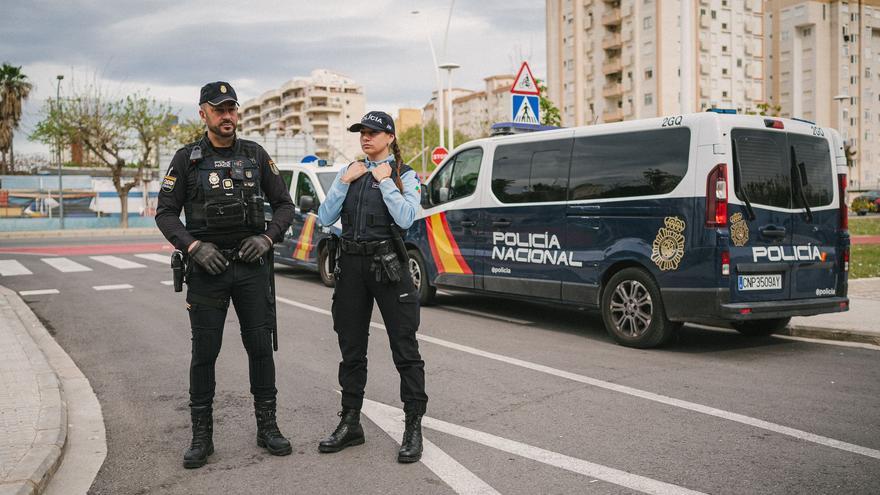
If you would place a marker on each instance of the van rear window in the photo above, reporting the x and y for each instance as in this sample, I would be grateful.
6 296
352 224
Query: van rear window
763 168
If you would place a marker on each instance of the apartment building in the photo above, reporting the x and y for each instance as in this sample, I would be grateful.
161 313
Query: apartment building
823 65
474 112
321 105
611 60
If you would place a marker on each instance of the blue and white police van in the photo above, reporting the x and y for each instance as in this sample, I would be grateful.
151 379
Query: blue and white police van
304 242
707 217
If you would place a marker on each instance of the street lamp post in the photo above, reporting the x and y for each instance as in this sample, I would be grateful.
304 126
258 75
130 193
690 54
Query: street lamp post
449 68
58 145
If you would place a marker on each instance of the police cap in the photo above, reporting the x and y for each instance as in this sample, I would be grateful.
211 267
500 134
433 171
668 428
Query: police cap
216 93
378 121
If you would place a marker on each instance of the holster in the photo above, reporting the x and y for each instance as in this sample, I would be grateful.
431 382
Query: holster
390 266
178 269
332 252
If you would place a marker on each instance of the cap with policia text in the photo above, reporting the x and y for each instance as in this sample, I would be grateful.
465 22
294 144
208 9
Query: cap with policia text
217 92
378 121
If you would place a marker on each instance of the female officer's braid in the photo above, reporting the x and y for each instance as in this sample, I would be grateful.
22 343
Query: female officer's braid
399 159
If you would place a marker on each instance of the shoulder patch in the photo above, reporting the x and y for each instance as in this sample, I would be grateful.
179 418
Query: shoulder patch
273 167
168 183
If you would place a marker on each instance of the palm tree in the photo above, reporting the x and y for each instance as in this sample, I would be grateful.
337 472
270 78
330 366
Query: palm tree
14 89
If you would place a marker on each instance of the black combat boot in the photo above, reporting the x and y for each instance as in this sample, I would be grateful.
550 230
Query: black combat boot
411 446
268 435
348 433
202 442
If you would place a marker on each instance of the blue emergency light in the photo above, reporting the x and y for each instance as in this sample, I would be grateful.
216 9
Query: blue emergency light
729 111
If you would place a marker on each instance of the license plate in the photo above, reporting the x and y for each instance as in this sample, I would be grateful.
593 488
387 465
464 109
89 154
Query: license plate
759 282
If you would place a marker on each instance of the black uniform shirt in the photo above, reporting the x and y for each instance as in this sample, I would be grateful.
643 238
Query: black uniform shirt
183 177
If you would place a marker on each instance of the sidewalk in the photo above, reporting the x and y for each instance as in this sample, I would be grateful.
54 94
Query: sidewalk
35 234
859 324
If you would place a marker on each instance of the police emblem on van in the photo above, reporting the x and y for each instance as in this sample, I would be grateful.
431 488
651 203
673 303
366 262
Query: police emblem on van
668 247
739 230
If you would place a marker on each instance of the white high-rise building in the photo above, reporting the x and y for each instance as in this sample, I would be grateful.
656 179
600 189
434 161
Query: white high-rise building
823 65
321 105
611 60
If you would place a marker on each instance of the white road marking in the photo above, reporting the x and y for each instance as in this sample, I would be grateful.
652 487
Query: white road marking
38 292
66 265
841 343
9 268
167 282
623 389
113 287
458 477
487 315
158 258
117 262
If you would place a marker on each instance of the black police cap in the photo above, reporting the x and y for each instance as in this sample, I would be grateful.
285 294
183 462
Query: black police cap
377 121
217 92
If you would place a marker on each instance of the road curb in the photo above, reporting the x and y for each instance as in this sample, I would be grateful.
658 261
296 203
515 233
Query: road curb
812 332
38 234
35 469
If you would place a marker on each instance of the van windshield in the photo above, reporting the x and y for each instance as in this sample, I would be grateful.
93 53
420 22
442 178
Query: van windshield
763 168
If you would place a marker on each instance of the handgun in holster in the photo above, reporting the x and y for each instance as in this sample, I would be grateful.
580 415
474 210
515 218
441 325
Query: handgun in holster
332 253
391 265
178 269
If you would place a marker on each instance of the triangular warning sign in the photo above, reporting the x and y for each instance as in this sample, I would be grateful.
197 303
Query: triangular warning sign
525 83
525 114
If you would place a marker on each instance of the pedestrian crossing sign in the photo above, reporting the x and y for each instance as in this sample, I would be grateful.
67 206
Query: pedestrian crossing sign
525 109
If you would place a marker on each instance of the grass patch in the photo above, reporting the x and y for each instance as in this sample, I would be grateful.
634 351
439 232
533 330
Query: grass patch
864 261
864 226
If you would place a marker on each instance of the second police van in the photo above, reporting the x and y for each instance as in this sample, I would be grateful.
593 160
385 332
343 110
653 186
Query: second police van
705 217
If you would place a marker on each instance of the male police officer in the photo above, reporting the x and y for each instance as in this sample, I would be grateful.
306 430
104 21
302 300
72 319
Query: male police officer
220 181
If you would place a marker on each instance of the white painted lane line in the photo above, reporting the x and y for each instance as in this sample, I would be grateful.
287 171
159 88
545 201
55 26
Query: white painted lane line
38 292
66 265
623 389
117 262
158 258
9 268
167 282
458 477
487 315
839 343
113 287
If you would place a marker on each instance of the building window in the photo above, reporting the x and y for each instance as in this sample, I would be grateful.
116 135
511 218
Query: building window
739 62
649 99
724 71
867 72
724 26
724 94
648 22
649 74
806 32
723 48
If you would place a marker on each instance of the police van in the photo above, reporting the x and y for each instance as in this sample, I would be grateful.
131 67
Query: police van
707 217
304 242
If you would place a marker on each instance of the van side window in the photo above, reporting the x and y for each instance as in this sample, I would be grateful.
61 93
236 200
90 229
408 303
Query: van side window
761 161
287 176
531 172
642 163
814 153
304 187
458 178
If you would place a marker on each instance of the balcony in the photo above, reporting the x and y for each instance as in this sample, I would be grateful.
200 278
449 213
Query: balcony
611 41
615 115
324 108
612 18
612 90
612 66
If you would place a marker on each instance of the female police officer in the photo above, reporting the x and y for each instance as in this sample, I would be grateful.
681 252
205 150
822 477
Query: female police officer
377 199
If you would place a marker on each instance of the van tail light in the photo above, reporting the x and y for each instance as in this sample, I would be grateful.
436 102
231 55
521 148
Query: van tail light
841 190
846 260
716 197
725 263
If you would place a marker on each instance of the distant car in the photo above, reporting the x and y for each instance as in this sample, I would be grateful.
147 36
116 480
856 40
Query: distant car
868 198
304 242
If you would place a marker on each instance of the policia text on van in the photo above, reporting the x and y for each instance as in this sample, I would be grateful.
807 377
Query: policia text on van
703 217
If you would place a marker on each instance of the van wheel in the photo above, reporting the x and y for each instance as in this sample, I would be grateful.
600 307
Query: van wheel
419 274
757 328
324 267
633 310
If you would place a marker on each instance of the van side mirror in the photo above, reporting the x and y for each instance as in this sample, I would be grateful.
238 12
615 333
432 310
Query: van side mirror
443 194
306 203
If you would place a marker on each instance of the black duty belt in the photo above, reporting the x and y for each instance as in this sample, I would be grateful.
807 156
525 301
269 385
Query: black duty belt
365 248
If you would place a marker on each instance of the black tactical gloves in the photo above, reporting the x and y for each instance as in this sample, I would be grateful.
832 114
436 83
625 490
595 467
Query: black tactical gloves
253 248
207 255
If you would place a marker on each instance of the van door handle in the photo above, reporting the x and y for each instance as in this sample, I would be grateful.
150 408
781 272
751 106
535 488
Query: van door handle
501 223
773 231
468 223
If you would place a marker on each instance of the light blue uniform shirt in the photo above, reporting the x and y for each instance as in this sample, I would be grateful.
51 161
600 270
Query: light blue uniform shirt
403 207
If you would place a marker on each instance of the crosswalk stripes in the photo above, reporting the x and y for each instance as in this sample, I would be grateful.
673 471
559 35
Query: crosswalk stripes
117 262
65 265
159 258
9 268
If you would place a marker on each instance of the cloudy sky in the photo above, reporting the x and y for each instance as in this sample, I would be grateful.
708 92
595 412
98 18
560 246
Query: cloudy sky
170 48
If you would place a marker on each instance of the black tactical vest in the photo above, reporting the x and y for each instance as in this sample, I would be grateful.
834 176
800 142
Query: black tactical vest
364 214
228 198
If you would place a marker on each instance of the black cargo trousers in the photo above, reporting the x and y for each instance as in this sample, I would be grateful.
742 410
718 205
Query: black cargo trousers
356 289
208 297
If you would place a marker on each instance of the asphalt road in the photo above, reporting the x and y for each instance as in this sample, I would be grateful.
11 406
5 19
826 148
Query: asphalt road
524 398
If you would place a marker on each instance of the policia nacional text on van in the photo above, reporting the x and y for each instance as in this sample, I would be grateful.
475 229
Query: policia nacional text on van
376 200
220 182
